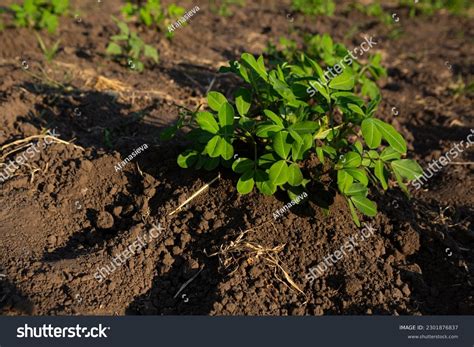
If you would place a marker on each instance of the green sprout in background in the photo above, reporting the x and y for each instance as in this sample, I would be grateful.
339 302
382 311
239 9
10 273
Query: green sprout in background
39 14
314 7
153 14
129 49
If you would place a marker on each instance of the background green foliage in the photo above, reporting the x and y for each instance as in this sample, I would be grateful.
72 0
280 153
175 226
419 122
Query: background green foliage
314 7
39 14
129 49
152 13
223 7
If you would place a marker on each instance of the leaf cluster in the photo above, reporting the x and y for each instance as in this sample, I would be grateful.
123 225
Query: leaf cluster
129 48
276 125
323 49
314 7
152 13
223 7
39 14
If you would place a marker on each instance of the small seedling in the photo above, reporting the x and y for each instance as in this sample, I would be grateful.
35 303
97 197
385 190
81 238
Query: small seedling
48 52
277 125
153 14
39 14
222 7
128 48
314 7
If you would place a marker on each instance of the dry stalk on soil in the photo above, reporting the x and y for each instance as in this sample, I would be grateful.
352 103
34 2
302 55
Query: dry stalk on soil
235 251
202 189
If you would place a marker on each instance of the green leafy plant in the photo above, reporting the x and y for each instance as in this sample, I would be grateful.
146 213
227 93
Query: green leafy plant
322 48
223 7
314 7
129 49
39 14
48 52
152 13
374 10
276 125
429 7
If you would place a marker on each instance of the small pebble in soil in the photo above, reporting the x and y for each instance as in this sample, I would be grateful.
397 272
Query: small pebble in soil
105 220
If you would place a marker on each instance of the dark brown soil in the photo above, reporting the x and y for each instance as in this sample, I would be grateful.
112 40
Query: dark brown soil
69 212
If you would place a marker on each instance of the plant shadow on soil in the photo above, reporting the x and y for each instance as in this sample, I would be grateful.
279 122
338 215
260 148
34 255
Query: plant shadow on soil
12 301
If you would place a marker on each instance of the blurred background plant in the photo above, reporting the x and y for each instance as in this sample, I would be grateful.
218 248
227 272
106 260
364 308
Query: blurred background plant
223 7
151 13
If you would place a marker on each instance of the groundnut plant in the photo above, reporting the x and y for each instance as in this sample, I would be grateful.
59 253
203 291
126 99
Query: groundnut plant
273 125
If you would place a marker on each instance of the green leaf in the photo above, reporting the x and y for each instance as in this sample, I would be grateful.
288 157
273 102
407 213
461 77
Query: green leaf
389 133
400 183
268 130
257 66
226 115
273 117
226 149
211 164
266 160
372 136
351 160
215 100
207 122
114 49
263 183
305 127
407 168
278 173
357 189
344 181
213 147
295 177
123 27
187 159
389 154
356 109
246 183
281 145
299 148
345 81
364 205
242 165
151 52
355 218
359 175
380 174
243 101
